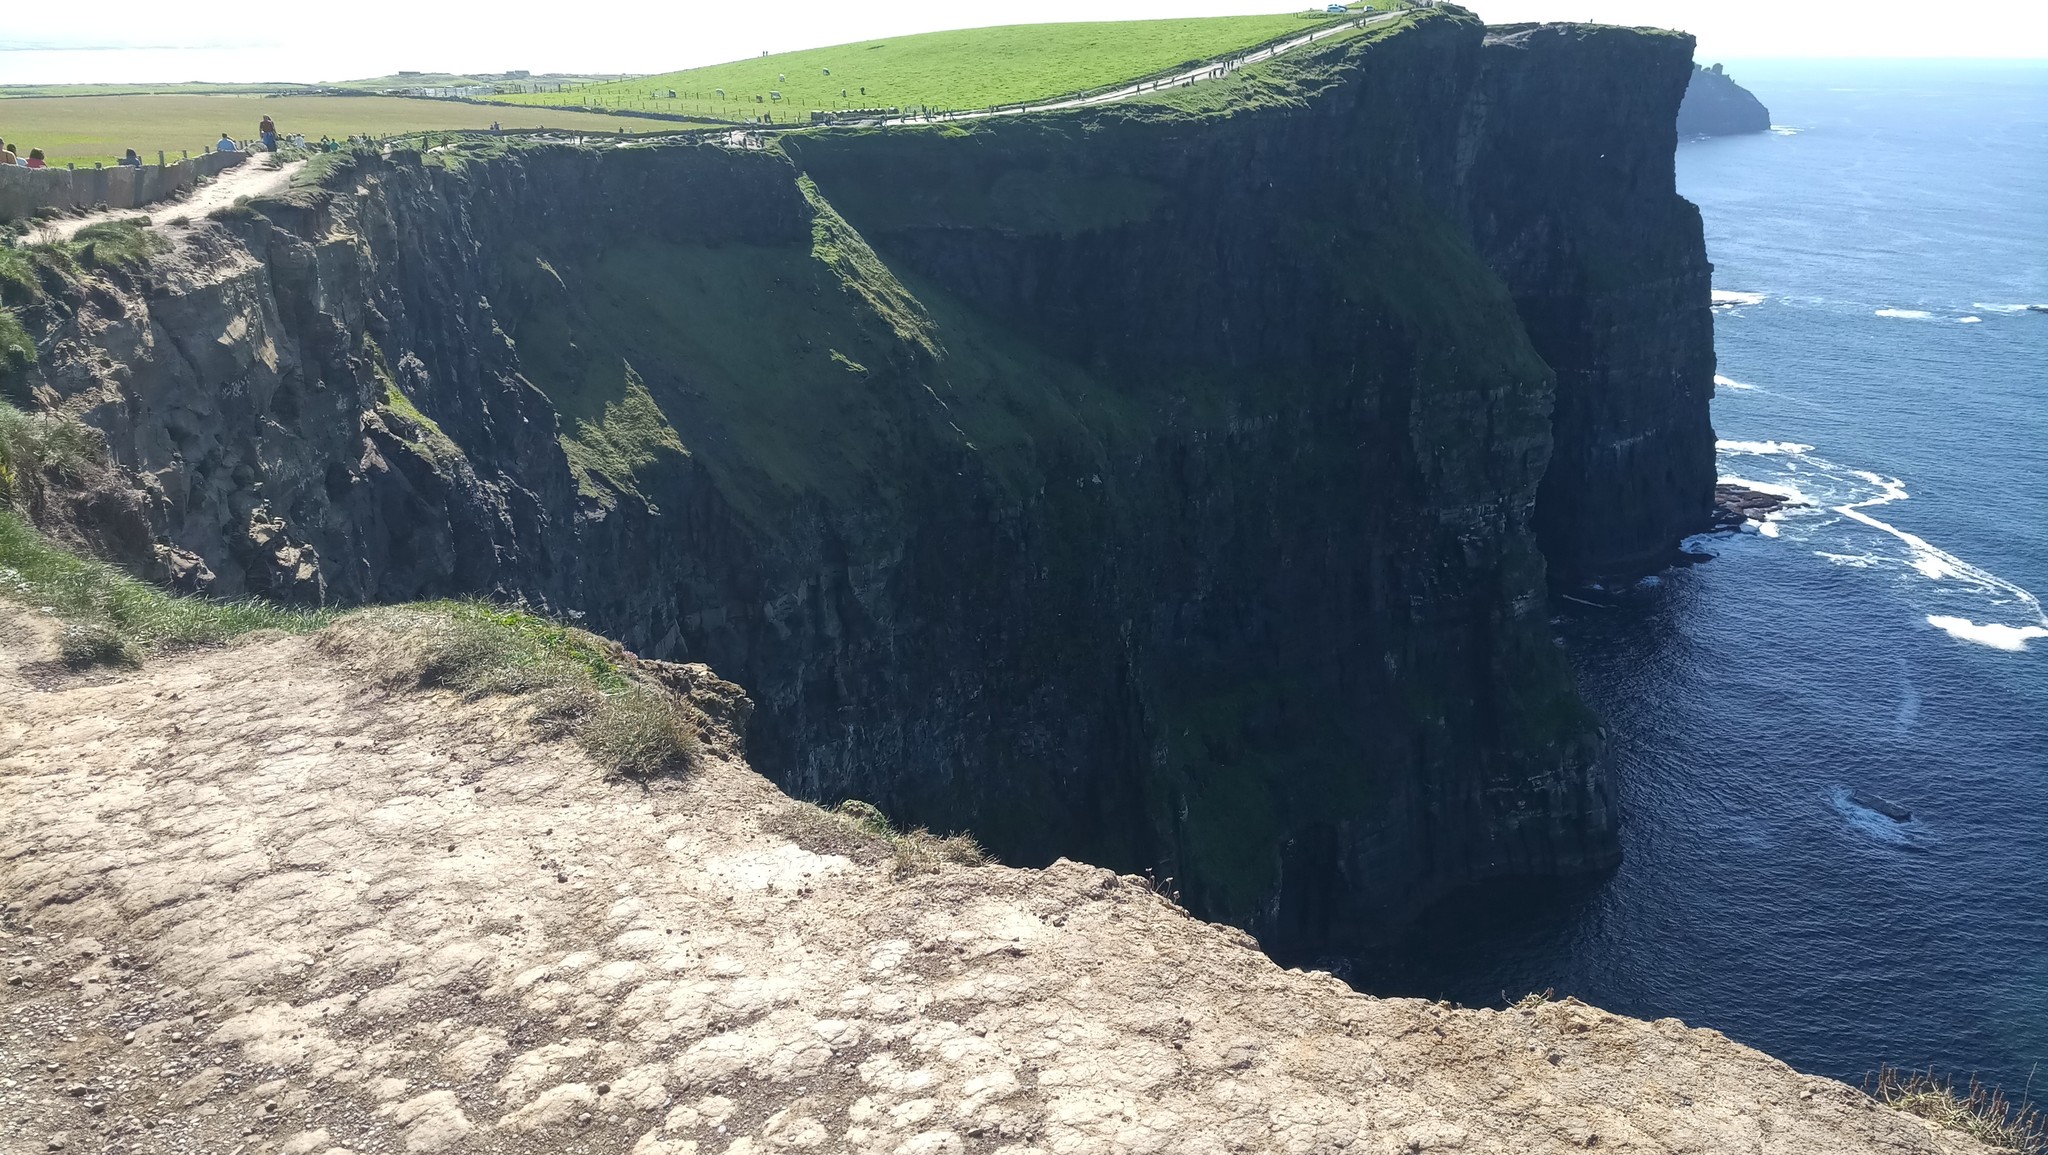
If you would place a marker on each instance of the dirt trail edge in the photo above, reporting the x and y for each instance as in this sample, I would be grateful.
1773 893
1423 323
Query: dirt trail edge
255 904
251 178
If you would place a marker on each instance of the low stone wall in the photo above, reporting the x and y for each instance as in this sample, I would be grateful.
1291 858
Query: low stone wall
24 191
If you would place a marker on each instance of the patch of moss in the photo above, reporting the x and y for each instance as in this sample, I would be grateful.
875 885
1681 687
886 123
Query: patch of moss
436 444
630 434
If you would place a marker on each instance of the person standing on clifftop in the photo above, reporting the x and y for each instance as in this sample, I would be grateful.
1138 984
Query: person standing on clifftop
268 128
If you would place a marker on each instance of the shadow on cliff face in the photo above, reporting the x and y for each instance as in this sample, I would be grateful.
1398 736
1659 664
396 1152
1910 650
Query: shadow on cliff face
1461 946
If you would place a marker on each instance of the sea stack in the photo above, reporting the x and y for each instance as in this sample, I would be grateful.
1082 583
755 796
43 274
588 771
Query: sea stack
1715 105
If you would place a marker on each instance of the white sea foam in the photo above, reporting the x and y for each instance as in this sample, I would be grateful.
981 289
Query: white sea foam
1731 383
2005 616
1969 320
1994 634
1763 448
1784 130
1732 297
1990 308
1906 314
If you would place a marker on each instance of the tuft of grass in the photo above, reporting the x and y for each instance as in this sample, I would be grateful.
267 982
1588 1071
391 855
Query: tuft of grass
110 617
17 357
860 831
1983 1113
36 447
580 684
114 244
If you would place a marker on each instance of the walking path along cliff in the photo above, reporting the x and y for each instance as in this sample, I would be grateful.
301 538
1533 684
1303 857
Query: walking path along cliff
255 902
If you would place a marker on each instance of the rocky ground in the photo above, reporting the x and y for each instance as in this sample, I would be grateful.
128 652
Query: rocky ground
255 903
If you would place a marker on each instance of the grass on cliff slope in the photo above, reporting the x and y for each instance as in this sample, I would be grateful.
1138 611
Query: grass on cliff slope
860 831
959 70
110 617
24 270
85 130
580 684
1986 1114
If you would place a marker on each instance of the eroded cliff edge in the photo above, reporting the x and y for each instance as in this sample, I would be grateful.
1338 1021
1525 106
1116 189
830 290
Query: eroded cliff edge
1156 486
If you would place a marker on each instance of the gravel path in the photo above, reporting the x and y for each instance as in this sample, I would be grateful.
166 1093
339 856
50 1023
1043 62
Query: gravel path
251 178
253 903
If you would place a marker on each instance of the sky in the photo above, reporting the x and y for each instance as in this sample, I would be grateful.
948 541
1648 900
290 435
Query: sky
244 40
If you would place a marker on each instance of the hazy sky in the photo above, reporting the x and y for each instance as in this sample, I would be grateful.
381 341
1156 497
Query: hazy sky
149 40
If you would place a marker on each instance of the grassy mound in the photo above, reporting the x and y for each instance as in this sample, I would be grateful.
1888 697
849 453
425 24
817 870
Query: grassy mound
580 685
965 69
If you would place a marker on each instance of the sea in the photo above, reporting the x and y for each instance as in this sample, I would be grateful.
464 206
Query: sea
1881 646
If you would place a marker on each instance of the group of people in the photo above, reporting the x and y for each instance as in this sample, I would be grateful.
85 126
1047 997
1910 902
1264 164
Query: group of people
266 131
10 155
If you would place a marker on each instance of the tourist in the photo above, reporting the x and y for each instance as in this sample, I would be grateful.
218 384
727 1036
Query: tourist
267 129
131 160
227 144
35 158
6 153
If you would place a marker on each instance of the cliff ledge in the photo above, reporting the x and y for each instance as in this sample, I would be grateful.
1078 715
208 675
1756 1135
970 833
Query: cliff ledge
253 901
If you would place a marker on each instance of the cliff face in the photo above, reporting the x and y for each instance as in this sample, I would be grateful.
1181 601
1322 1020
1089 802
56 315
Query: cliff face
1607 264
1715 105
1157 486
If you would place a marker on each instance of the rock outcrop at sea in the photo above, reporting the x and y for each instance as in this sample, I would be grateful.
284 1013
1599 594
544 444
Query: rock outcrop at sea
1169 485
1717 106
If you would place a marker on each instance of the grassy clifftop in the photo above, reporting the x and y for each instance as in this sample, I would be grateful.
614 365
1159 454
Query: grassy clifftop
968 68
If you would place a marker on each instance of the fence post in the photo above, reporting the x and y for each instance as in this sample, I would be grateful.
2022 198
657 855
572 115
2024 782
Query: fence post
160 158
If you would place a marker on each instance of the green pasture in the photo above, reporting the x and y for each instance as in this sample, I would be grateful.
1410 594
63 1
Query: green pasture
967 69
85 129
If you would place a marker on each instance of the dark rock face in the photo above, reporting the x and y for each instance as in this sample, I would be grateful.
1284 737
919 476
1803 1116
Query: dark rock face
1609 271
1158 486
1715 105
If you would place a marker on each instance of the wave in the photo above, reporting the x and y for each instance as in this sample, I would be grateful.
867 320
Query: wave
1994 634
1784 130
1990 308
1969 320
1763 448
1838 504
1732 297
1731 383
1906 314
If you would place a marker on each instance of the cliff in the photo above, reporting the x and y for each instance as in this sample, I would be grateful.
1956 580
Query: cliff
1717 106
1159 485
255 901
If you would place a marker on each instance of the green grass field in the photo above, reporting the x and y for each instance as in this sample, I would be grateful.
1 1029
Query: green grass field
85 129
972 68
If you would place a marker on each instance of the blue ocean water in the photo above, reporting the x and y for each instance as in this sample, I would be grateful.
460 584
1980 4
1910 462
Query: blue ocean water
1874 254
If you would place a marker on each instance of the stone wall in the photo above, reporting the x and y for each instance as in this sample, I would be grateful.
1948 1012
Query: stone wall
24 191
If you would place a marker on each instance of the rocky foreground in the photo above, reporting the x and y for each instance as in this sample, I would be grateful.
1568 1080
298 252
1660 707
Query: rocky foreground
257 903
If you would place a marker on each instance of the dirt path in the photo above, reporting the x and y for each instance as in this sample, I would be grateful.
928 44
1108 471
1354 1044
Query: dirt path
251 178
252 904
